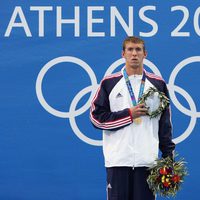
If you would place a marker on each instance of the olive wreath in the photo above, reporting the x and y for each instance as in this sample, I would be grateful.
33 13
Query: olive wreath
164 101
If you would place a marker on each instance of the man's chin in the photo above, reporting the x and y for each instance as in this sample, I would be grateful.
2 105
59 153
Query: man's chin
135 66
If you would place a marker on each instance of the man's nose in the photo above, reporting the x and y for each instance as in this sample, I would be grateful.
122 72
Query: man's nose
134 52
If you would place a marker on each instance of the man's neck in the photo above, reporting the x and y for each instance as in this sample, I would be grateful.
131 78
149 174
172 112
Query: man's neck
134 71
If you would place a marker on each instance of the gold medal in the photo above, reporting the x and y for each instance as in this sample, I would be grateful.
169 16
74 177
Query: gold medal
138 120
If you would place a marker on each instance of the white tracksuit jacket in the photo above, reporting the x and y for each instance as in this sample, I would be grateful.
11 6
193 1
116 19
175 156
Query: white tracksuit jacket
126 143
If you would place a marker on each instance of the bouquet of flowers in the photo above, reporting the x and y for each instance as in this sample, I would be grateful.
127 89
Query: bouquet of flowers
167 176
155 101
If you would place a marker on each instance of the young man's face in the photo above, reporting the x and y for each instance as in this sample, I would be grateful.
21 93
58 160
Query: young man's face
134 55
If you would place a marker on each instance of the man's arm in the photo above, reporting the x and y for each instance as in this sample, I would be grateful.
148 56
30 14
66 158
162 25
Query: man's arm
102 117
166 144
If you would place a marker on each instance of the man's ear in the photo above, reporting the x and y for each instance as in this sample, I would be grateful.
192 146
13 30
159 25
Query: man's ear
122 53
145 54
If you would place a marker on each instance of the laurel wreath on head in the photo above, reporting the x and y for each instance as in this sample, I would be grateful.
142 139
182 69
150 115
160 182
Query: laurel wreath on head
164 101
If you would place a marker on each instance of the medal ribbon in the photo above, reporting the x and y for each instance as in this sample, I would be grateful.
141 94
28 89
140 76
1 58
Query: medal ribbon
130 89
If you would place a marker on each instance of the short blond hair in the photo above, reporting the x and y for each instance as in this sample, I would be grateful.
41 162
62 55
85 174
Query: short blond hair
135 40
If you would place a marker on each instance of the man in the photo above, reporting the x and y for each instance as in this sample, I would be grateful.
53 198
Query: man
131 140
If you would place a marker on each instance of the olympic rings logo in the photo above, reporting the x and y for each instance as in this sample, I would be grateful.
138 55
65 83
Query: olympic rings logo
73 113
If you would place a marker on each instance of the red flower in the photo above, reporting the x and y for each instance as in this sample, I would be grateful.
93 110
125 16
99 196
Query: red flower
176 178
163 171
166 184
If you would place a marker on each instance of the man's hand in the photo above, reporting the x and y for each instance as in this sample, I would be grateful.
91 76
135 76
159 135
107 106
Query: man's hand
138 111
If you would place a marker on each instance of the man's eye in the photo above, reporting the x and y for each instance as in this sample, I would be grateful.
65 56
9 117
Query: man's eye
130 49
138 49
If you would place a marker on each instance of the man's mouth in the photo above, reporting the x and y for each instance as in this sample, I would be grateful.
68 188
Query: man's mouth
134 59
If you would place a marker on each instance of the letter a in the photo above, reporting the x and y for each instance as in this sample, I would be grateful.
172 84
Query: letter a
23 23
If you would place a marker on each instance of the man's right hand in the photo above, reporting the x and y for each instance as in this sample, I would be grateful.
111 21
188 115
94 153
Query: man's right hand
138 111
